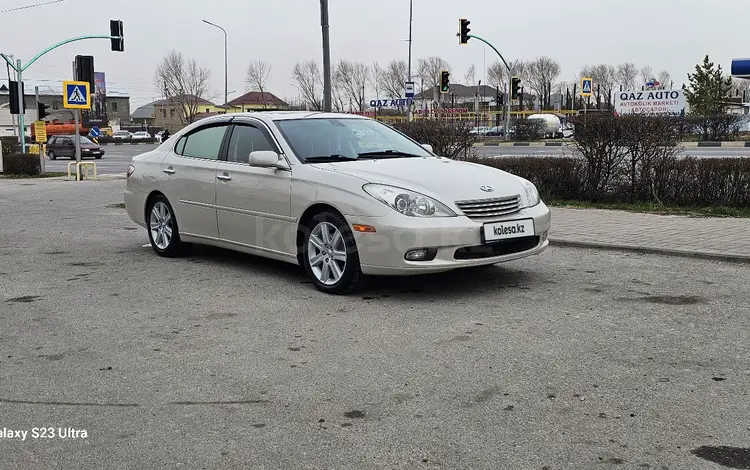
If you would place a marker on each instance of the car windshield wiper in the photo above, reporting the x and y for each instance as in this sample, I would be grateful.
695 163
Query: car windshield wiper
330 158
389 154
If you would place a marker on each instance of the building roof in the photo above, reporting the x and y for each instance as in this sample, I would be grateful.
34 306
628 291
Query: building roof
173 101
55 88
144 112
258 98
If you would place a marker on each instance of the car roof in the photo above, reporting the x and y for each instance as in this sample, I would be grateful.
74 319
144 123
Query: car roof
287 115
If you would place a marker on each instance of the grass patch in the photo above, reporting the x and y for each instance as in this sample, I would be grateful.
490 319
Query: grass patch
49 174
652 208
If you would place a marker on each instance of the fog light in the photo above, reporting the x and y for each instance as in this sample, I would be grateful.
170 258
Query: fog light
416 255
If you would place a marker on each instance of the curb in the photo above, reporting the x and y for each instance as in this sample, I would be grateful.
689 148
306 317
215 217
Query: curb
706 255
740 144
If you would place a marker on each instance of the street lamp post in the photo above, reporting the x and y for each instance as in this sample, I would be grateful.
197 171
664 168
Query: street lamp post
226 61
326 56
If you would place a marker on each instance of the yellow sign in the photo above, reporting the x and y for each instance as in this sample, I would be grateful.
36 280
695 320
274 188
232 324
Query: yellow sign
40 131
587 86
76 95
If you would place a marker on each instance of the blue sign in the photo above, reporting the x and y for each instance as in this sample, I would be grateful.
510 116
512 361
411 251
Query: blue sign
587 87
95 132
741 68
409 89
76 95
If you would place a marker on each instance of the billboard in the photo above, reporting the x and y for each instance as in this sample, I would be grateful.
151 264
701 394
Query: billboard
98 114
650 102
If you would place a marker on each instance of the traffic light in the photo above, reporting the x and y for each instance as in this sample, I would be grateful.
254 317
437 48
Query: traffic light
85 70
42 111
463 31
515 85
115 30
13 104
445 84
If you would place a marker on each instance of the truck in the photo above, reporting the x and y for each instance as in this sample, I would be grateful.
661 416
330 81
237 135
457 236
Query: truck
552 124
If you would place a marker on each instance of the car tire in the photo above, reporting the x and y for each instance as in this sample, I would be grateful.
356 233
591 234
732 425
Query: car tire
98 157
161 222
329 273
52 155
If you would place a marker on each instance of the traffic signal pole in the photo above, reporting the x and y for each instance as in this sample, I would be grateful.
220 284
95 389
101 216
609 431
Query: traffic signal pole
19 68
510 84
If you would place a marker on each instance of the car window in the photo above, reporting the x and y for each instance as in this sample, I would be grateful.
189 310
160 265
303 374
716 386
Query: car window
246 139
67 141
205 143
180 147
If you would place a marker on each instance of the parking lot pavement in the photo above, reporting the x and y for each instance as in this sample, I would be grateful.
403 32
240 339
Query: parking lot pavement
572 359
115 160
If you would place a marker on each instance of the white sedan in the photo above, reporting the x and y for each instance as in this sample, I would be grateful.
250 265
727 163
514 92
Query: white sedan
310 189
141 135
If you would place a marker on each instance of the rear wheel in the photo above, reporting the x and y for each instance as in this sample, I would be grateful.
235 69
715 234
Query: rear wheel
162 228
329 255
51 155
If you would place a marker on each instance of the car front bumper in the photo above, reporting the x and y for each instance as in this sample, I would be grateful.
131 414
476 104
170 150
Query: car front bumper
455 242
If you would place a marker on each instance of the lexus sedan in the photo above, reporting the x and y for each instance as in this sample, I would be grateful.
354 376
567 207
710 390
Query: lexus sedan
343 196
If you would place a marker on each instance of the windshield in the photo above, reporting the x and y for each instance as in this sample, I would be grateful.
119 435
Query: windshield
85 140
350 138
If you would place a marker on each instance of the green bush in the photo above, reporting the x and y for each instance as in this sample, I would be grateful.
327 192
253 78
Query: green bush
21 164
678 182
9 145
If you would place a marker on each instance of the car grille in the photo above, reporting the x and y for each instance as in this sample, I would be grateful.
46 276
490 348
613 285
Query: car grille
505 247
483 209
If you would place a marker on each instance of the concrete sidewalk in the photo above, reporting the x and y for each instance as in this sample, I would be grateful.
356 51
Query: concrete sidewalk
717 238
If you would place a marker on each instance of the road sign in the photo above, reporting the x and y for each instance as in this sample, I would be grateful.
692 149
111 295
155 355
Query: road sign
76 95
741 68
409 89
95 132
40 131
587 87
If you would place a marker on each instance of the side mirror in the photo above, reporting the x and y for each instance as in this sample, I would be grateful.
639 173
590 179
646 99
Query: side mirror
427 147
267 159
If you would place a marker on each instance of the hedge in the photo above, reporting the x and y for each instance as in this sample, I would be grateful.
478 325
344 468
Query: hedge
9 145
675 181
21 164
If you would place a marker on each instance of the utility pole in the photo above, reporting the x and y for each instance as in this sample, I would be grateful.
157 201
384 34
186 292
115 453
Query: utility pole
410 112
41 144
326 56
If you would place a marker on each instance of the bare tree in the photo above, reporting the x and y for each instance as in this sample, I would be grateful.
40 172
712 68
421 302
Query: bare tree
626 75
498 75
258 74
394 77
352 78
185 84
375 78
605 77
664 79
470 78
542 71
647 73
429 70
309 83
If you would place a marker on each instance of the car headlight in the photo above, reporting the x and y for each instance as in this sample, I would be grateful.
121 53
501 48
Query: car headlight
407 202
532 194
85 150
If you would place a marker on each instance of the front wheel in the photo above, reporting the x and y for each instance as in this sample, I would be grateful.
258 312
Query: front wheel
329 255
51 155
162 228
98 157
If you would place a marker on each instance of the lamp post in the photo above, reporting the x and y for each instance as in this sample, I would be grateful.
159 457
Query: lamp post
226 61
326 56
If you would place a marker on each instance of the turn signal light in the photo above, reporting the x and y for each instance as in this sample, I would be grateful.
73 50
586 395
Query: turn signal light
363 228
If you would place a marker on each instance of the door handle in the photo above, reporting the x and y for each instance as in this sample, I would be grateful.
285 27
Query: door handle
169 171
224 177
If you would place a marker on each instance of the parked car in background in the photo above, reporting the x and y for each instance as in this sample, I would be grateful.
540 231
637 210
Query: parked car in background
158 136
141 135
341 195
122 135
64 146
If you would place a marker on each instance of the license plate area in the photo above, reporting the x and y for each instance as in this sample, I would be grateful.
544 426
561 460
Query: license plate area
493 232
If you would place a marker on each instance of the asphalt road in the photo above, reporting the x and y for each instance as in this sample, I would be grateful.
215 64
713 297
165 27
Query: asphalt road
574 359
115 160
718 152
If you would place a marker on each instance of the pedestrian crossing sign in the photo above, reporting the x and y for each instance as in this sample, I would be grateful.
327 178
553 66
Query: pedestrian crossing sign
76 95
587 86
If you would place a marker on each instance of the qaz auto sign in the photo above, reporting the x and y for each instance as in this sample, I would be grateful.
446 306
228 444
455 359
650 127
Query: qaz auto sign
650 102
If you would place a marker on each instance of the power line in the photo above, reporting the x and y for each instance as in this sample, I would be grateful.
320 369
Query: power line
31 6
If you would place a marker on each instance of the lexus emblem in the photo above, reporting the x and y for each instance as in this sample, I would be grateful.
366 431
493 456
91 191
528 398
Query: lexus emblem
486 189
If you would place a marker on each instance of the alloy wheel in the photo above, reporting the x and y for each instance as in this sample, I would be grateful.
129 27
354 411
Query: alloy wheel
326 253
160 223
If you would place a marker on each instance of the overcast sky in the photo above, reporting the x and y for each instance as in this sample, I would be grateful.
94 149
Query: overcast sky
670 35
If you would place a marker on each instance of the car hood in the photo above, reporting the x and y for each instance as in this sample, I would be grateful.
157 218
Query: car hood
441 178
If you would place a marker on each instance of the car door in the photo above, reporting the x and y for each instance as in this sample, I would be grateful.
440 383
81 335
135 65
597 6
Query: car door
67 147
189 179
253 204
